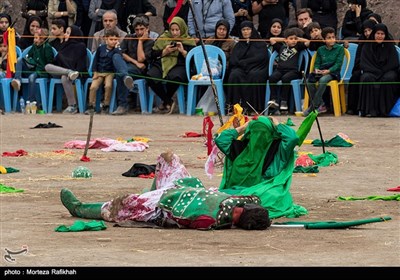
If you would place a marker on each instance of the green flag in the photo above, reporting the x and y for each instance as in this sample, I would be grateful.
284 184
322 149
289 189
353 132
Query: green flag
305 127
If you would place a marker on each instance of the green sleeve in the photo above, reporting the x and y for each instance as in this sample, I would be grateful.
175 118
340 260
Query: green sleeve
339 60
224 140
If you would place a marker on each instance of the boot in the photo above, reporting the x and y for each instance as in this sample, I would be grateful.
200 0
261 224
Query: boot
79 209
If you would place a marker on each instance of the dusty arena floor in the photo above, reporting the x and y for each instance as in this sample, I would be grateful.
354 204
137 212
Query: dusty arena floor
28 219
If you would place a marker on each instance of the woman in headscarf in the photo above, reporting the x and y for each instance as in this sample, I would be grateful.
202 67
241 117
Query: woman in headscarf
248 70
221 39
31 26
379 64
261 163
169 55
69 63
36 8
353 91
5 22
353 19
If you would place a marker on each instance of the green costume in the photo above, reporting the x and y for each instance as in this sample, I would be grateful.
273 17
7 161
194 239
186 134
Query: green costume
261 164
192 206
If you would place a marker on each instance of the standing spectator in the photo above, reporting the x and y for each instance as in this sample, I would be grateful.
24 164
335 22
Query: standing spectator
169 6
32 25
109 23
304 17
248 66
69 63
64 9
324 12
243 11
353 19
35 8
103 70
207 13
134 7
97 9
379 64
82 19
267 10
169 56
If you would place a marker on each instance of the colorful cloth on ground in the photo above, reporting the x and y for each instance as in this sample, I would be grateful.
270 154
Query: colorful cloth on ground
245 174
307 169
372 197
7 189
82 226
336 224
304 161
395 189
336 141
143 207
192 206
107 145
17 153
289 122
325 159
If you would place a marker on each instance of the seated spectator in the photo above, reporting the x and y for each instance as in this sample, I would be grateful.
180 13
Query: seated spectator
379 64
69 63
32 25
58 28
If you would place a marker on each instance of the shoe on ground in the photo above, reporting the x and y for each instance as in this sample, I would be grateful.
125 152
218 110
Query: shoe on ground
73 75
16 84
120 111
322 109
71 109
273 104
284 106
128 82
89 110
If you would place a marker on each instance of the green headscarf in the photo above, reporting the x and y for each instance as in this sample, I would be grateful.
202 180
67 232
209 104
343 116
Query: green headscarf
165 39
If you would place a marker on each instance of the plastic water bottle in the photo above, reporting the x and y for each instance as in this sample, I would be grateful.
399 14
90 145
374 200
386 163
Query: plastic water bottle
22 105
33 108
28 107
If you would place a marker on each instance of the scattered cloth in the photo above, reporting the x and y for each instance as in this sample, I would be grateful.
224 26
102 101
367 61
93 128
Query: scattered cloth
192 134
46 125
107 145
81 172
82 226
325 159
140 169
289 122
306 169
372 197
4 170
337 141
335 224
395 189
17 153
7 189
304 161
150 176
139 139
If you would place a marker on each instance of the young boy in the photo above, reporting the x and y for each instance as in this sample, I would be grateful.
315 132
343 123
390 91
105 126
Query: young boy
326 68
58 28
314 32
287 67
103 70
33 64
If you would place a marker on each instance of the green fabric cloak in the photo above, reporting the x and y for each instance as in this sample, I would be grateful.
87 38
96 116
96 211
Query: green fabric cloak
243 176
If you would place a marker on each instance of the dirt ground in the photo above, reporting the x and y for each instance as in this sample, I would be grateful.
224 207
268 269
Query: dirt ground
29 218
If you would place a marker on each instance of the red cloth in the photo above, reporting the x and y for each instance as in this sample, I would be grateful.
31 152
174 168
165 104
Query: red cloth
193 134
395 189
18 153
202 221
175 11
304 160
207 131
147 176
85 158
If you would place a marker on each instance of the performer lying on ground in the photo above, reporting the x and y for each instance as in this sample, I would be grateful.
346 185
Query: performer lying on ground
261 163
175 198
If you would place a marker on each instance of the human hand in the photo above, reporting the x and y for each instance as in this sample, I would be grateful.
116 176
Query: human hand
358 10
325 72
